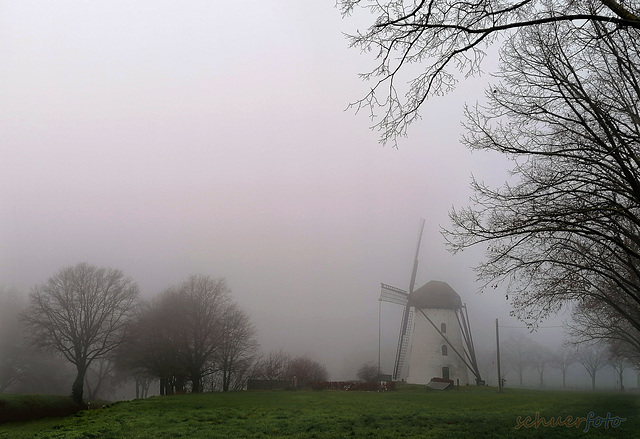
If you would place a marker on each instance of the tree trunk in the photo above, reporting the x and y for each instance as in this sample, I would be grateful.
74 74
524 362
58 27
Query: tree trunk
178 385
196 383
593 382
226 378
564 379
621 385
145 387
163 386
78 384
87 385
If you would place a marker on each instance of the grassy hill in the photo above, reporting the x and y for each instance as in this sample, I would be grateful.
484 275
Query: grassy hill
468 412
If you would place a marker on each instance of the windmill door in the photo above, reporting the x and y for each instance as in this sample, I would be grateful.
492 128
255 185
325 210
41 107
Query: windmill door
445 373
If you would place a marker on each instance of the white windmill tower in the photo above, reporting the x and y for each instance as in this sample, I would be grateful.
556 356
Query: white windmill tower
434 333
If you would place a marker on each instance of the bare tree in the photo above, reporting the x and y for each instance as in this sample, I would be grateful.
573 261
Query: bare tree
142 383
595 320
368 372
10 368
100 380
568 228
540 359
24 369
238 350
619 359
156 344
12 349
272 366
562 359
565 112
204 302
444 40
518 352
593 357
279 365
83 312
487 363
306 371
188 333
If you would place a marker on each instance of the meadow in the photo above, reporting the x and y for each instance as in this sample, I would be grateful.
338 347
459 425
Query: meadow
414 412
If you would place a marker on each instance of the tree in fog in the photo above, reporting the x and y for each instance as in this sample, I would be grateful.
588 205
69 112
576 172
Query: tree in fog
593 357
188 334
132 361
618 359
12 350
517 353
594 320
180 333
101 379
562 359
423 48
156 342
23 368
368 372
567 228
306 371
272 366
83 312
540 359
204 300
279 365
565 112
10 368
238 348
487 364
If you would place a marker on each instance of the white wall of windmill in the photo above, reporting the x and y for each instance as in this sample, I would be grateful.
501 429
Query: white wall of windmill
426 359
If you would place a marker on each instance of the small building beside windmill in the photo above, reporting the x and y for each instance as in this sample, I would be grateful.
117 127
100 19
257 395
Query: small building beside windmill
437 346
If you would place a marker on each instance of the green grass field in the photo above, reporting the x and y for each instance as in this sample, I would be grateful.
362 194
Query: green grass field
470 412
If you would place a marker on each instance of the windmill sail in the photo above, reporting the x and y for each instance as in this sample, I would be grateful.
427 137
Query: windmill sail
399 297
407 316
403 342
393 295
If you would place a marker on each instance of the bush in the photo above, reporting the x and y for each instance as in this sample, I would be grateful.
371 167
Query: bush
27 407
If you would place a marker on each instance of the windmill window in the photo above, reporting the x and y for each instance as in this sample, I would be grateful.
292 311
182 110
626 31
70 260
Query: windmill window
444 349
443 328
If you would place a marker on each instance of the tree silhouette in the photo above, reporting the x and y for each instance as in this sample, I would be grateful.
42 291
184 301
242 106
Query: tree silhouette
83 312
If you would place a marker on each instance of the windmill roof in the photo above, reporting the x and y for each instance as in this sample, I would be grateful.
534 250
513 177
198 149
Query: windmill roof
435 294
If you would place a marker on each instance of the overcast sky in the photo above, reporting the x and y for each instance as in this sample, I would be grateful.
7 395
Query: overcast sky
172 138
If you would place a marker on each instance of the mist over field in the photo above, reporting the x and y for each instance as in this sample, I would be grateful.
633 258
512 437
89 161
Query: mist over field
170 139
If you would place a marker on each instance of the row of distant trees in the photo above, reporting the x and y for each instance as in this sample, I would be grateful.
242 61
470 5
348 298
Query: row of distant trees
191 337
520 355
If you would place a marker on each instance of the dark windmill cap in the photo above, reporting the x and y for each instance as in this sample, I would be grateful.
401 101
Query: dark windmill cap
435 294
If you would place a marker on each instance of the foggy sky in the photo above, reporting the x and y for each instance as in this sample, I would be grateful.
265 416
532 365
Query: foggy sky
172 138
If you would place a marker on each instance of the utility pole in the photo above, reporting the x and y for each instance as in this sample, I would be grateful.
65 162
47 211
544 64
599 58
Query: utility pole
498 357
379 334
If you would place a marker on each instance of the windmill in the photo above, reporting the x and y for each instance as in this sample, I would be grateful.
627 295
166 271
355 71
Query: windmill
434 331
